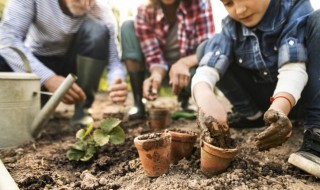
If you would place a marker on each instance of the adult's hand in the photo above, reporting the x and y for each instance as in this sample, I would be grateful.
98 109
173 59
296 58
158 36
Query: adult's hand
278 132
179 76
152 84
74 95
78 7
118 91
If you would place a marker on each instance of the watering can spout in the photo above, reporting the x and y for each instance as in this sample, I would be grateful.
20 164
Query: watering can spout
43 116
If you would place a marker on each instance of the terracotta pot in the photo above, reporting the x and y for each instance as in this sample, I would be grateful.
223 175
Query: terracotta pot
154 154
182 144
215 160
159 118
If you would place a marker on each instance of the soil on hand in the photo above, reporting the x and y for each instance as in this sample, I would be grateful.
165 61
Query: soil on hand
43 164
216 137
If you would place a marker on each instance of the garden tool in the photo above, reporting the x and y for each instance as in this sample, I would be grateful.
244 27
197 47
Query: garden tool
21 118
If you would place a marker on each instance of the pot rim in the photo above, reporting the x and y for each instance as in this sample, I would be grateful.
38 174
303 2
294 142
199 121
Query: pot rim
164 136
211 149
182 137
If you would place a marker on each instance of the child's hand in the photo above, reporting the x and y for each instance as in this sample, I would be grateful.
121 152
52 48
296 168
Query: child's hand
278 132
211 130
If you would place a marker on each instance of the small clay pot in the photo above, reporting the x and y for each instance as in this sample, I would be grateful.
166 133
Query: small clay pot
182 144
215 160
154 153
159 118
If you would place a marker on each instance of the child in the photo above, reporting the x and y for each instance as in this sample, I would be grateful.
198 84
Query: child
164 36
267 48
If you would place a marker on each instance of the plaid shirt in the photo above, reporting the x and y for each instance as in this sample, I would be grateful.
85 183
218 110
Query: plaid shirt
195 24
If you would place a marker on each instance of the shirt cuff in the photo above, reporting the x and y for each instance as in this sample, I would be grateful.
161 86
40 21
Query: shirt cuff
292 79
205 74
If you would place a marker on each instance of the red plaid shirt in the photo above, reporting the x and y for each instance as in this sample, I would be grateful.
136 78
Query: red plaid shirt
195 24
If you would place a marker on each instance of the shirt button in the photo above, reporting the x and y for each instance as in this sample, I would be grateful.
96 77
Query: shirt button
291 42
240 60
275 48
265 73
217 52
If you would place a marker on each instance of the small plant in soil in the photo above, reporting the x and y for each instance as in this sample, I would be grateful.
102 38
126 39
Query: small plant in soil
90 139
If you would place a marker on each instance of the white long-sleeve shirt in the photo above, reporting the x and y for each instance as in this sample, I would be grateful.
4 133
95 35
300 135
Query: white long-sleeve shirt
40 27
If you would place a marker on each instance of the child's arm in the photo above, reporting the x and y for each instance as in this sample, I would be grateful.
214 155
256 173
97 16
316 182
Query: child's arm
202 86
292 79
208 103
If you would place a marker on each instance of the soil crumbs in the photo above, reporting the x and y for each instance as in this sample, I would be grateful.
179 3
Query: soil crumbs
42 164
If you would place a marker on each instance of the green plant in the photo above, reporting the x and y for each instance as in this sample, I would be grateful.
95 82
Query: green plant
89 139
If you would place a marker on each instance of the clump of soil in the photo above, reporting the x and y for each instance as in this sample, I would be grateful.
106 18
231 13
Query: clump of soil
217 137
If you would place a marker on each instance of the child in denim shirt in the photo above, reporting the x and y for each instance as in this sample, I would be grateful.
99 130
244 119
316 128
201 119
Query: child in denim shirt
268 50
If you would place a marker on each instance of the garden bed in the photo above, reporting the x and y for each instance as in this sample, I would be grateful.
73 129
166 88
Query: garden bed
43 164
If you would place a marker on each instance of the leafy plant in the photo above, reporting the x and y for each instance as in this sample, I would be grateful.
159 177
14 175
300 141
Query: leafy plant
89 139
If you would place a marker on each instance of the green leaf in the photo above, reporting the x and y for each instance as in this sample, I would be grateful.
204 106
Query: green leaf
108 124
74 154
81 134
79 145
88 154
100 137
117 135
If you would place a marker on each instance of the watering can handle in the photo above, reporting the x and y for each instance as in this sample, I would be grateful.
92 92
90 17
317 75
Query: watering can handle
23 57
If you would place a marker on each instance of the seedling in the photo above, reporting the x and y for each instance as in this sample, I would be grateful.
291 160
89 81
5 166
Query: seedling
89 139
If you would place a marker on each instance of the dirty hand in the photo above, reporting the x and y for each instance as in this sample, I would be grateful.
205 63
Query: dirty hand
118 91
278 132
74 95
212 131
79 7
152 84
179 76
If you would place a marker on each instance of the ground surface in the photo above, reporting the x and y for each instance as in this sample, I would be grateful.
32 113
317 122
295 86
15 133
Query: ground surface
42 164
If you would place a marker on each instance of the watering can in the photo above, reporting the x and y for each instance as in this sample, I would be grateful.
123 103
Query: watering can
21 116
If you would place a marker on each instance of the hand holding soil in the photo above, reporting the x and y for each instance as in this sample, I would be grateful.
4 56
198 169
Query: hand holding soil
212 131
278 132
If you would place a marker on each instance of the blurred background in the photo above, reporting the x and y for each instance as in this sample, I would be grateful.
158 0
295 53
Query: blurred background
126 9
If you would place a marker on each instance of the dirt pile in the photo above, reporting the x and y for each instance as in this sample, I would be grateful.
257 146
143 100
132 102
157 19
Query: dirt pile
42 164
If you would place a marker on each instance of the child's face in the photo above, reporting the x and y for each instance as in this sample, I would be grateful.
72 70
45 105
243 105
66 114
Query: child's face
247 12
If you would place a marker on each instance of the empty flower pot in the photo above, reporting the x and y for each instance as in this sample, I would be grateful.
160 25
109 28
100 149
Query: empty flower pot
154 153
215 160
159 118
182 143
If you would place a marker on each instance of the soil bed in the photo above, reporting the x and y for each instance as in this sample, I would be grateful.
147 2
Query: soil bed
42 164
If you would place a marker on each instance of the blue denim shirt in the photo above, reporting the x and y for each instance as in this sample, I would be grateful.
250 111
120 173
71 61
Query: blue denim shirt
277 39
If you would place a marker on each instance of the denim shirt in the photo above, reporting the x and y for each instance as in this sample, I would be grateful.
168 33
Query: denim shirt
277 39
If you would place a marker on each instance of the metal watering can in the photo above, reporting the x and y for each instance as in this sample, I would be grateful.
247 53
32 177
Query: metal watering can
21 118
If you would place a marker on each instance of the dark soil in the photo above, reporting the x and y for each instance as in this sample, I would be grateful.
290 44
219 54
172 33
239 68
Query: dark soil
182 131
42 164
149 136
